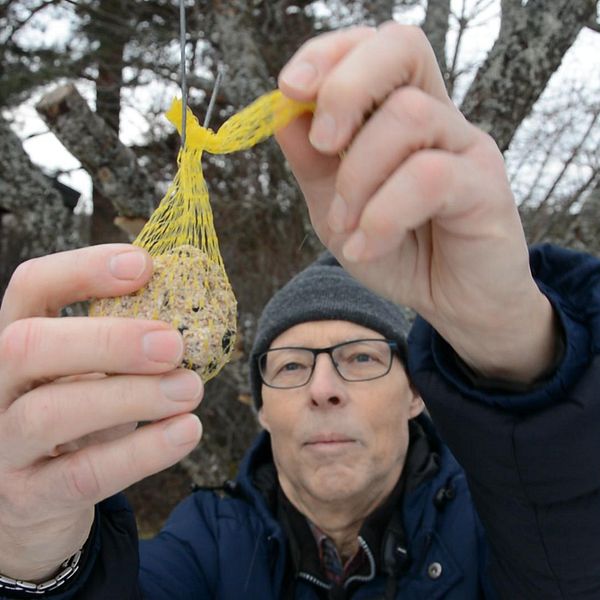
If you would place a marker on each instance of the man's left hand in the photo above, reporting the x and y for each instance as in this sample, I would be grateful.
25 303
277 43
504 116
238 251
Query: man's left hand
412 199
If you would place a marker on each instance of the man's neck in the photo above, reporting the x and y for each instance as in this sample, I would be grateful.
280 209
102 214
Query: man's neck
341 520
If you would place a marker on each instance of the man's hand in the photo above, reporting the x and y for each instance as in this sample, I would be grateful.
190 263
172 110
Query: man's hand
71 393
418 207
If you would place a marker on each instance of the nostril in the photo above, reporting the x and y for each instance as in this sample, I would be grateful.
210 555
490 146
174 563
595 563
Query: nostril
334 400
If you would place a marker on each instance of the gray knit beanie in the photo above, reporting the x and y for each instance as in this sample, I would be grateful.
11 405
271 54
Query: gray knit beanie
324 291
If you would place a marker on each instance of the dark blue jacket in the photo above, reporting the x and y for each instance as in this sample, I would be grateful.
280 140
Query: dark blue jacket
234 548
530 457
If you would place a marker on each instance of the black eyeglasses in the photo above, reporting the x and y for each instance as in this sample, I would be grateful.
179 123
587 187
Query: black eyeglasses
357 360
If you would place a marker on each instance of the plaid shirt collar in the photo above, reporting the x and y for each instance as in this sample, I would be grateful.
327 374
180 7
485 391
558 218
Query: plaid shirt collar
331 562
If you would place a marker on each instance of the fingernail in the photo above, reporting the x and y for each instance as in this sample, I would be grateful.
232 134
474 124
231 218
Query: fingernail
353 249
163 346
127 265
181 385
338 214
183 431
323 133
299 75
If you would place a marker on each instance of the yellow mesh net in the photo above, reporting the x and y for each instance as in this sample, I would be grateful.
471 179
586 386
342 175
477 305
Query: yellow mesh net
189 287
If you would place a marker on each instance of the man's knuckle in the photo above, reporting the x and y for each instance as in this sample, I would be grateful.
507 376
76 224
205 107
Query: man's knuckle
33 417
18 340
106 335
350 182
24 277
378 227
81 479
414 36
328 42
486 142
432 172
410 103
335 90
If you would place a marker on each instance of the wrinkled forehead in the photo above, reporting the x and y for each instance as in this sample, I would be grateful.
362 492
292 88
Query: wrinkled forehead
323 333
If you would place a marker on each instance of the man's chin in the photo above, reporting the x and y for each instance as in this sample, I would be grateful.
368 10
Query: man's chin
335 482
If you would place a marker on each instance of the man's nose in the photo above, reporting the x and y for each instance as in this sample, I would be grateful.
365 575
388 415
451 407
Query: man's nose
326 387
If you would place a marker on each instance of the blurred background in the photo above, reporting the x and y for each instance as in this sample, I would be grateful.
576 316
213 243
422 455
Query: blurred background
86 153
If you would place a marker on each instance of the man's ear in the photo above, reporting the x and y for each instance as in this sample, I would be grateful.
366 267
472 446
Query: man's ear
262 419
417 405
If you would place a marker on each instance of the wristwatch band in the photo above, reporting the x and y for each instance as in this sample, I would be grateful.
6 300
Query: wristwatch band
69 568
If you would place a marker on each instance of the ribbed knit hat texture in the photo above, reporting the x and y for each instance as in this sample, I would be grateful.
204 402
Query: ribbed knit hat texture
324 291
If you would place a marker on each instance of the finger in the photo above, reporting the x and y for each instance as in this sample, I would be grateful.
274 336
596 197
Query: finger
316 173
409 121
38 350
94 473
96 437
302 75
310 167
42 286
421 189
397 56
56 414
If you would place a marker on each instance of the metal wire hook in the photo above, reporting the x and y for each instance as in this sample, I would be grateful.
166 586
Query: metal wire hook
184 93
213 97
184 90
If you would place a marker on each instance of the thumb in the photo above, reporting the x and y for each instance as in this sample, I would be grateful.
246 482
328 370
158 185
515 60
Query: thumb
313 170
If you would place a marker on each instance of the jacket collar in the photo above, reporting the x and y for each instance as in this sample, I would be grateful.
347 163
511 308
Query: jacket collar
382 533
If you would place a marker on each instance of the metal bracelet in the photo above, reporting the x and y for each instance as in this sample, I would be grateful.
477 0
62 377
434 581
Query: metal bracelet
69 568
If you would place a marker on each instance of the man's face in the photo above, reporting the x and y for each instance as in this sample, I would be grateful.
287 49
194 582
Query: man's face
335 440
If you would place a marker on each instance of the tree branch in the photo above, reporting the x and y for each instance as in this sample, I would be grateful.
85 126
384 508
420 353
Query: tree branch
113 166
593 25
33 217
530 47
435 27
23 186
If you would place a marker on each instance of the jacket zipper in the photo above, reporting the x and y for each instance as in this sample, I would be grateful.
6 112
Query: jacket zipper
369 554
313 580
368 577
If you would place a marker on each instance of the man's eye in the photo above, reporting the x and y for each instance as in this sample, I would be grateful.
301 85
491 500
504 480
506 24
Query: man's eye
362 357
291 366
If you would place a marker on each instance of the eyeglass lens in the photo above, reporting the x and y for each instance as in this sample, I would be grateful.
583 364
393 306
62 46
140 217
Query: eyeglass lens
358 360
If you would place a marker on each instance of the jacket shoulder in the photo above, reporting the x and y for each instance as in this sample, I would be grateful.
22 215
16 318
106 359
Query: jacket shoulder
192 554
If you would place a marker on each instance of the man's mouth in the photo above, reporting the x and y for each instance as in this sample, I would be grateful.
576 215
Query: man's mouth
329 439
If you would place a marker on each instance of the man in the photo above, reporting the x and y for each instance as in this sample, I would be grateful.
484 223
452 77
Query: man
338 498
350 491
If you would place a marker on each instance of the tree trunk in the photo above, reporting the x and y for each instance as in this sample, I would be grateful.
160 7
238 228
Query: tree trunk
109 81
378 11
435 27
113 166
531 44
34 218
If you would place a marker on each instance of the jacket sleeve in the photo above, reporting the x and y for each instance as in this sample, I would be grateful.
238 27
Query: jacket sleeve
109 564
531 455
172 564
182 560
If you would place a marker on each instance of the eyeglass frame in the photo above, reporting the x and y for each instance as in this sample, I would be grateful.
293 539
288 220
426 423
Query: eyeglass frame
393 345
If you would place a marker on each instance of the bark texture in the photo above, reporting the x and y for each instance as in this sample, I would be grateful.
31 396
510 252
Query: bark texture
112 165
531 44
377 12
435 27
255 40
34 219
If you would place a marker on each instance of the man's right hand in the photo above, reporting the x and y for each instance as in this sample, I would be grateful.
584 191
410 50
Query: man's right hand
71 393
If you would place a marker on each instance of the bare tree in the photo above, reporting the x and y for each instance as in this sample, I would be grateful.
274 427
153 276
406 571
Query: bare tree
532 42
121 45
